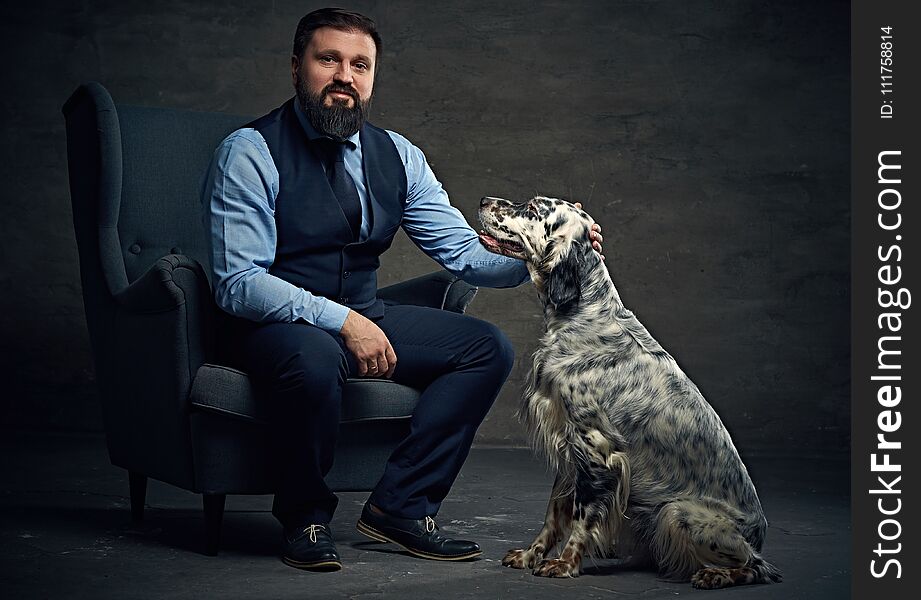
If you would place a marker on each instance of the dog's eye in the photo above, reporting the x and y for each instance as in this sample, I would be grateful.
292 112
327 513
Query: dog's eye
532 208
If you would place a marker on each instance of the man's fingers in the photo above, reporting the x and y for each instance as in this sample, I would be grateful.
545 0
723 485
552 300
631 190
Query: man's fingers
381 365
375 365
391 360
372 350
391 366
594 233
378 366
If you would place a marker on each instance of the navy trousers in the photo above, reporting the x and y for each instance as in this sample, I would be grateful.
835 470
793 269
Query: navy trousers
461 362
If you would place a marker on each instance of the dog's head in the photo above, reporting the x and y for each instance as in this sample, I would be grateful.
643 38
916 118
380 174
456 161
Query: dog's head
551 235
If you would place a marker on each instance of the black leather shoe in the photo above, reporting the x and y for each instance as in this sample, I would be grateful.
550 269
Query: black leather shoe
418 537
311 548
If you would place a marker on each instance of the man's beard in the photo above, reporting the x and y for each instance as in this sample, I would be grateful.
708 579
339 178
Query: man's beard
338 121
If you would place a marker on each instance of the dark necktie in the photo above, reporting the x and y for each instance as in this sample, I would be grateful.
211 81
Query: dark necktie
343 185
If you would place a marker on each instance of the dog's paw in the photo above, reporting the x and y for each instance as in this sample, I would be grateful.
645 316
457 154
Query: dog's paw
520 559
556 567
711 578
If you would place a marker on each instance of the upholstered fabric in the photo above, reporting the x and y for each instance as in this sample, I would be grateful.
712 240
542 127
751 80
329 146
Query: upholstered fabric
165 154
441 290
228 392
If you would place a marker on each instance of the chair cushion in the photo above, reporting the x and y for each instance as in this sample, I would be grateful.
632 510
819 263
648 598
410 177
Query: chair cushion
375 399
229 392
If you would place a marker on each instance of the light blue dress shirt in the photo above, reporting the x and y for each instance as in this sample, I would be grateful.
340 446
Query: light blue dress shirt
239 195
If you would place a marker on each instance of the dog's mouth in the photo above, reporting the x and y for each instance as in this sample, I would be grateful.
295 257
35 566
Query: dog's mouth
500 246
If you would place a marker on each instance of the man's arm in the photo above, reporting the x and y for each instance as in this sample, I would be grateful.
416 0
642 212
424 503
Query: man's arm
239 205
441 231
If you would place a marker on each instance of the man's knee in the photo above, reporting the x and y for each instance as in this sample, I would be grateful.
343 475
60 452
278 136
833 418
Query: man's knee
496 348
505 352
313 366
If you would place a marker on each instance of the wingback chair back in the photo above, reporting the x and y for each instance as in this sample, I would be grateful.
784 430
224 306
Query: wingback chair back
135 178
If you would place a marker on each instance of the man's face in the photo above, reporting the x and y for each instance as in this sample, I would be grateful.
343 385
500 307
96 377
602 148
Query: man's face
334 80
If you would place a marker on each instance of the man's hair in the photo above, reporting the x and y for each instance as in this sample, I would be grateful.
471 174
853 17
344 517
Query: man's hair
337 18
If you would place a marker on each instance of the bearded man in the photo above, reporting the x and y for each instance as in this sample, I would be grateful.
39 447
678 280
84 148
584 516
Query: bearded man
299 205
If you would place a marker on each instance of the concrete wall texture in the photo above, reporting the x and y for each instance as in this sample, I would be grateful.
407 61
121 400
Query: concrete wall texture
710 139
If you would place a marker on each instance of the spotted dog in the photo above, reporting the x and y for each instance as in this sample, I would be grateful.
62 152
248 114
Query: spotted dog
644 467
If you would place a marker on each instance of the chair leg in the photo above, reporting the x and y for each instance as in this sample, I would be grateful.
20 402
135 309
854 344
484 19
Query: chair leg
137 485
214 514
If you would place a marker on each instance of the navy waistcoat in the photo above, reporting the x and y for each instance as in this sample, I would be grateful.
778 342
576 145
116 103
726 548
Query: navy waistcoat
315 249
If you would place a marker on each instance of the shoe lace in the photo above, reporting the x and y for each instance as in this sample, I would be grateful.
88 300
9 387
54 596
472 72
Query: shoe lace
430 524
312 532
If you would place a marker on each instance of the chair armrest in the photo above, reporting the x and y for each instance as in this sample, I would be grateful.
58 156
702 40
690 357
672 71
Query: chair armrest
437 290
163 287
169 313
161 335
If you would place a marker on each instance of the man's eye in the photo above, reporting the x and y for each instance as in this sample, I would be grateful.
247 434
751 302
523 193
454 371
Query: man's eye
327 59
361 66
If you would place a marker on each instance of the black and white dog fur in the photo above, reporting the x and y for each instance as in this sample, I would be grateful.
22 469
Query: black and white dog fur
644 467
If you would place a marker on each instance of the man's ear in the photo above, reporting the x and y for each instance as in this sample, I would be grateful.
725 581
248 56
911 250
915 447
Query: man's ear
295 65
564 283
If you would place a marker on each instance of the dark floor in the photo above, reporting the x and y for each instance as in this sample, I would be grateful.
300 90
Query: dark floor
65 532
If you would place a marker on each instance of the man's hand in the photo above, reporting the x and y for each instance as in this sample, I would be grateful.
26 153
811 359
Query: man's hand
369 345
595 234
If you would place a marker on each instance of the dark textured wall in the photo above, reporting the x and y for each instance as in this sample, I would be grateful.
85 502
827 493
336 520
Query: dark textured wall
710 139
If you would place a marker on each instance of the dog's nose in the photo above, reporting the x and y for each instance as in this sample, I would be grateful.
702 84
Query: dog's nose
484 201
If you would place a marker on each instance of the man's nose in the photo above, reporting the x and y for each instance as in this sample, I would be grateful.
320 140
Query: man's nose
344 73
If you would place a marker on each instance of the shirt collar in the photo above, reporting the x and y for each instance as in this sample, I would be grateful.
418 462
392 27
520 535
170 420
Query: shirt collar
313 134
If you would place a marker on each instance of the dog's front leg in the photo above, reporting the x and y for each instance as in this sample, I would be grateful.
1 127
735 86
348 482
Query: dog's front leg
602 489
556 525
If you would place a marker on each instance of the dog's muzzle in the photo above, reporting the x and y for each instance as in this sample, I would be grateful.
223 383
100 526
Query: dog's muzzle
490 237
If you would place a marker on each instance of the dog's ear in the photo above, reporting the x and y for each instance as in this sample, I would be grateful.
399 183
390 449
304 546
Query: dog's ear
564 283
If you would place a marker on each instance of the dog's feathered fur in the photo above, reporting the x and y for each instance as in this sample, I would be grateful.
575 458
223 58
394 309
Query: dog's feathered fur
645 468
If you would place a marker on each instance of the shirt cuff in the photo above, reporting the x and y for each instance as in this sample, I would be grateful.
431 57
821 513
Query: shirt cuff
332 316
